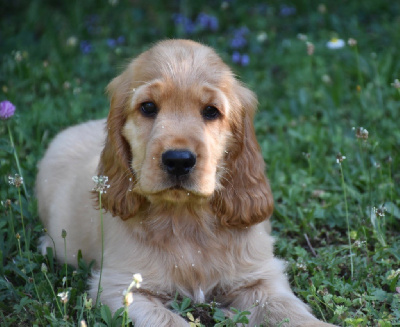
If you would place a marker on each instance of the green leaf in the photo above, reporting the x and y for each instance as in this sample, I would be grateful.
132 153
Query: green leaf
392 209
106 314
380 295
218 315
185 303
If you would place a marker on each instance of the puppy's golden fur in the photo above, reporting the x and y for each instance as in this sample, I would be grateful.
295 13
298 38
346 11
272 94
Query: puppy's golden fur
202 234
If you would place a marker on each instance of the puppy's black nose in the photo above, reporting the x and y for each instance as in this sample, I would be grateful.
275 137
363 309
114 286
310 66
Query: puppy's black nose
178 162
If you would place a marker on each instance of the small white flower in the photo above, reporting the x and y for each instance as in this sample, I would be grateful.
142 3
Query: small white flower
326 79
340 158
101 184
302 37
361 133
379 212
72 41
262 37
352 42
63 297
335 43
396 84
128 298
17 180
138 278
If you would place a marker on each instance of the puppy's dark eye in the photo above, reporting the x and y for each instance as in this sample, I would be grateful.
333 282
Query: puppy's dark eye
210 113
149 109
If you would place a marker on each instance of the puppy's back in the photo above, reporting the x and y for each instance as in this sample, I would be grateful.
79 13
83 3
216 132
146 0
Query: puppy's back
65 179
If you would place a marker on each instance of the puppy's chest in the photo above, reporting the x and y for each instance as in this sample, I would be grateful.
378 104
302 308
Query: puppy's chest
196 271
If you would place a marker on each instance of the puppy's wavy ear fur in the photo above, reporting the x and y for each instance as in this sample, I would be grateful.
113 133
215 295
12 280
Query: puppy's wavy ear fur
119 199
246 197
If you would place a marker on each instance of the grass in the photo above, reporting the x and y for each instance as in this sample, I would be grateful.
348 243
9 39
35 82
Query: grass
342 248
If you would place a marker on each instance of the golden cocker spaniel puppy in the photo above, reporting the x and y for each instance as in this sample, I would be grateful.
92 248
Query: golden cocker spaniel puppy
187 199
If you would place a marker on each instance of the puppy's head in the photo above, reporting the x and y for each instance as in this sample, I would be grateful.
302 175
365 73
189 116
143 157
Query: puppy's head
180 131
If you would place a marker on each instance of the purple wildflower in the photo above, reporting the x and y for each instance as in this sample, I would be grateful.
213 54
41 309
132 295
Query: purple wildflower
92 22
185 22
7 110
121 39
236 57
240 59
287 11
239 38
86 47
245 60
111 43
207 22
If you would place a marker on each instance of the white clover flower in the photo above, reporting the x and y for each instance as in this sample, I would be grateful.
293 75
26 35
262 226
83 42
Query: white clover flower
379 212
361 133
138 279
340 158
335 43
302 37
396 84
262 37
352 42
326 79
17 180
100 184
63 297
72 41
301 266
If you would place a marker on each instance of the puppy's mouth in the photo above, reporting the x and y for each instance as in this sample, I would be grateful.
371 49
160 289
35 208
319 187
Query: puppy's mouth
176 188
176 192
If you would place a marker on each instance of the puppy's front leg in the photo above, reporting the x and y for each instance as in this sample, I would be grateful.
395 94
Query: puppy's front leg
271 301
145 310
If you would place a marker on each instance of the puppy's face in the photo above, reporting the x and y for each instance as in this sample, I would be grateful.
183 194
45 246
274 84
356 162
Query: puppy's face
177 127
180 131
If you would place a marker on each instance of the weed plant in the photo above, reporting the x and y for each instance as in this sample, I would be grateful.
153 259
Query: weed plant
327 78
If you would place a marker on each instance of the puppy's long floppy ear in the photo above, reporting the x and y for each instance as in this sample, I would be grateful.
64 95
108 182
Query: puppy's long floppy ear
246 197
119 199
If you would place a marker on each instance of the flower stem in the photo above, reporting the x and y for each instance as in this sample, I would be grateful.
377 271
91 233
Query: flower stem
54 294
391 192
347 220
26 245
22 220
11 221
16 158
19 247
102 249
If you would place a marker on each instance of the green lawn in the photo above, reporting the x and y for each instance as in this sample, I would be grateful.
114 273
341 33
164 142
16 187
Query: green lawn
337 219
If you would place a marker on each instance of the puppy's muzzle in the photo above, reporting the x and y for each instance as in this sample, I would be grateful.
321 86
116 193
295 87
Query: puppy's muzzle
178 162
